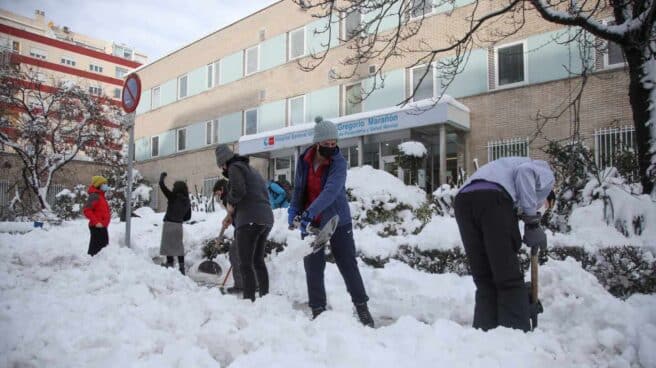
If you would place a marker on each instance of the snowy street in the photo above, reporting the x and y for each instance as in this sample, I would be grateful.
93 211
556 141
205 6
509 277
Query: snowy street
62 308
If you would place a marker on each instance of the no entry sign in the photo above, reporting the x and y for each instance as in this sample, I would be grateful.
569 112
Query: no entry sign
131 93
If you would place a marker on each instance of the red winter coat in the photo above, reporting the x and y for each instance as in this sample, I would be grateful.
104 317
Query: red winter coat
96 209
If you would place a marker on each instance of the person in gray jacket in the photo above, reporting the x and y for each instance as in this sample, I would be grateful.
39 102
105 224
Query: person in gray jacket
251 215
486 210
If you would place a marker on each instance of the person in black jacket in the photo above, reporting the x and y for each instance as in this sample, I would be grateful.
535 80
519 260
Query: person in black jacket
178 210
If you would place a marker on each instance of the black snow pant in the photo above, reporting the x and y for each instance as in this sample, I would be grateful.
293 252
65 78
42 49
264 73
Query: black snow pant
99 239
233 256
342 247
181 263
251 241
490 233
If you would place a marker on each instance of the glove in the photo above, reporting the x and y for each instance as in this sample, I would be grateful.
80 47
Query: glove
292 213
306 220
534 235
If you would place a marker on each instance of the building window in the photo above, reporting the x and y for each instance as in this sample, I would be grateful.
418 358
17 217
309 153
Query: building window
95 90
67 60
154 98
614 55
217 75
154 146
181 139
38 53
421 8
353 99
121 72
609 142
507 148
510 65
95 68
351 24
296 110
210 76
297 43
211 132
250 121
182 87
117 93
15 46
427 87
208 185
252 60
123 51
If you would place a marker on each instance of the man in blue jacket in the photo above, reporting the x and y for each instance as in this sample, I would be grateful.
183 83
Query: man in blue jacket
277 195
486 211
319 194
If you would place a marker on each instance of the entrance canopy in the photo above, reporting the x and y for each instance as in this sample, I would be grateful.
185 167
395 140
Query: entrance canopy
422 113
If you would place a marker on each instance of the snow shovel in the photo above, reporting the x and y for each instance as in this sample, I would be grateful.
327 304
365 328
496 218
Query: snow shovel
321 235
222 287
534 306
209 266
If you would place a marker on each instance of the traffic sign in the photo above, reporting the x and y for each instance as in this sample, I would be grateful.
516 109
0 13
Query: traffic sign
131 93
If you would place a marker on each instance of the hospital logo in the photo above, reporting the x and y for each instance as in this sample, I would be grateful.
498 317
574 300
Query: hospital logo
269 141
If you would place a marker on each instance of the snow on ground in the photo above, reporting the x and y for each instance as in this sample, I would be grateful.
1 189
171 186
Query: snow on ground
62 308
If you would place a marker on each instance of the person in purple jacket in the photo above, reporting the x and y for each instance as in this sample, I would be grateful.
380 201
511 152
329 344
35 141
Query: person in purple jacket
319 194
486 210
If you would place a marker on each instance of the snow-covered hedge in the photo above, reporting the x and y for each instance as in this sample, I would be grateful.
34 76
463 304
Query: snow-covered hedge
69 204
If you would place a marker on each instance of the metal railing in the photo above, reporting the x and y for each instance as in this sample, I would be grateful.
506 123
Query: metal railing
507 147
610 141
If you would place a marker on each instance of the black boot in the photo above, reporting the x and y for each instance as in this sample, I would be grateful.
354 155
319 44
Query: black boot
234 290
317 311
181 264
364 315
169 262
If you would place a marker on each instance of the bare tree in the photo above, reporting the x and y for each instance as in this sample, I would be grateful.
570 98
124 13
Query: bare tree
628 23
47 126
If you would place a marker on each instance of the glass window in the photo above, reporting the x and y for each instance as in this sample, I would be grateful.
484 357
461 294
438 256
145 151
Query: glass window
121 72
215 131
15 45
351 24
38 53
182 87
210 75
95 68
230 128
208 132
95 90
297 43
370 155
252 60
615 54
250 121
154 98
297 110
352 155
353 99
421 8
117 93
182 139
425 89
154 146
510 64
67 60
216 73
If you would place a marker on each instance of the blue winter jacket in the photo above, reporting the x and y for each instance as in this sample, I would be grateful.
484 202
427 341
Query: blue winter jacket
332 199
277 195
528 182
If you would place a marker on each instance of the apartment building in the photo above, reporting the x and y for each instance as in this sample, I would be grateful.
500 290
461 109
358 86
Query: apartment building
242 85
58 54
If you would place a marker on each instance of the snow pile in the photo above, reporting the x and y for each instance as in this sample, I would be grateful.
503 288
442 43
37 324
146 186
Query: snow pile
412 148
370 186
142 193
62 308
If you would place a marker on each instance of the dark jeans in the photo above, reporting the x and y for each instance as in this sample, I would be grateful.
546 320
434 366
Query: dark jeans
342 247
490 234
233 256
251 240
99 239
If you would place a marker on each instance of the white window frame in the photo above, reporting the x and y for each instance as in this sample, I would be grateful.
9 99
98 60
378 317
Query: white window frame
93 89
496 65
289 109
159 97
117 95
343 33
607 64
217 73
289 42
38 53
95 68
434 79
344 97
257 121
156 137
177 139
186 78
425 15
246 73
212 138
67 60
116 72
209 75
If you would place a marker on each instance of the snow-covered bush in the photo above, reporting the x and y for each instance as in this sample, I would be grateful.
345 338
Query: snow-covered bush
444 198
118 180
410 158
69 204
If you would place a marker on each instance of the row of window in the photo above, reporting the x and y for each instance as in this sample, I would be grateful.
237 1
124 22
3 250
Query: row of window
70 61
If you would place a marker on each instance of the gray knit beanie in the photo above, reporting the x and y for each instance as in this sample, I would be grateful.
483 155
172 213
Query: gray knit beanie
324 130
223 154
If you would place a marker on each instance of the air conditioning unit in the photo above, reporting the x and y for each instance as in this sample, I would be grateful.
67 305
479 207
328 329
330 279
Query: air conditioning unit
262 94
262 34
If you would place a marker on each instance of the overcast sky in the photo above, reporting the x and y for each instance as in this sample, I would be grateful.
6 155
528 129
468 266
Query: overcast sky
154 27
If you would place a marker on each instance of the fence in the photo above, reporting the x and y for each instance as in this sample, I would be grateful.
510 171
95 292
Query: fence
4 195
507 147
53 190
610 141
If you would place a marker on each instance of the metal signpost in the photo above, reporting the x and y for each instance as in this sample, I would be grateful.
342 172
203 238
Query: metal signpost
130 100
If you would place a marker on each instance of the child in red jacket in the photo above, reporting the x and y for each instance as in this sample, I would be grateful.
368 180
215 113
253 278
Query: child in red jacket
97 211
